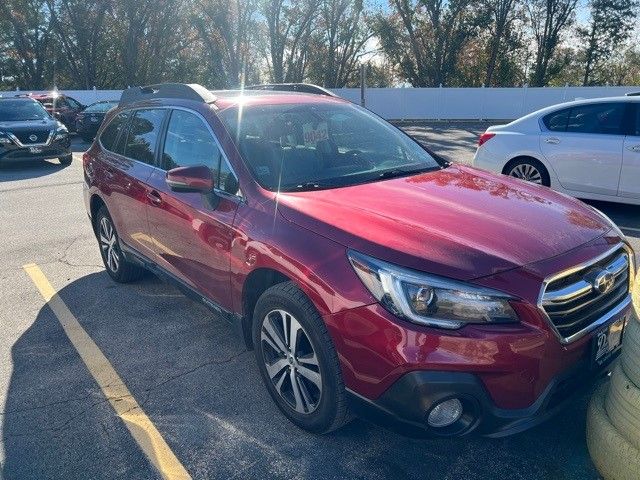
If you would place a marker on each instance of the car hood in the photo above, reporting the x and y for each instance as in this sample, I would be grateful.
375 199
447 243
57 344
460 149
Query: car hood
459 222
28 125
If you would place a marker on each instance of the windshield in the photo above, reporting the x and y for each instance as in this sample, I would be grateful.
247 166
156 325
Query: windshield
21 109
100 107
322 145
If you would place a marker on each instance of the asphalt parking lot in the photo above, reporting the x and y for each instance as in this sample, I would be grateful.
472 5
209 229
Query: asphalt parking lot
188 371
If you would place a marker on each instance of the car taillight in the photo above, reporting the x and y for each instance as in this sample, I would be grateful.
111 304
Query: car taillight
485 137
86 158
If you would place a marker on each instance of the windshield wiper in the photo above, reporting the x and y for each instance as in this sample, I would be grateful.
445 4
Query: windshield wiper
399 172
307 186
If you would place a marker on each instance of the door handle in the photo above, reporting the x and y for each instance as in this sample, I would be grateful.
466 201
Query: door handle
552 140
634 148
109 173
154 197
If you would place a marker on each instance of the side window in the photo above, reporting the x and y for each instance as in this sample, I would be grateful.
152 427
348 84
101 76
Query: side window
74 103
110 134
189 142
61 102
636 107
557 121
603 118
143 135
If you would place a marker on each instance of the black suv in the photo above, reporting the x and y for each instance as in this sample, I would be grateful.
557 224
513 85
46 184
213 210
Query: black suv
28 132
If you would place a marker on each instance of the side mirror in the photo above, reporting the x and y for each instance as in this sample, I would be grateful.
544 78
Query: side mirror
197 178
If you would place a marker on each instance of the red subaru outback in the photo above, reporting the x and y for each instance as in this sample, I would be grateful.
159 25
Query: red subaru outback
368 274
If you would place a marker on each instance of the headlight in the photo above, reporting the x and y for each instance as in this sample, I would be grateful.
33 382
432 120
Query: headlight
428 299
61 133
615 227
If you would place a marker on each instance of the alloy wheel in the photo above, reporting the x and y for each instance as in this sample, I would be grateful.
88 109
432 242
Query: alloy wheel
528 172
291 361
109 244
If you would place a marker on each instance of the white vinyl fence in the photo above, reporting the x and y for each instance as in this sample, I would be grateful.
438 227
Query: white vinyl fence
435 103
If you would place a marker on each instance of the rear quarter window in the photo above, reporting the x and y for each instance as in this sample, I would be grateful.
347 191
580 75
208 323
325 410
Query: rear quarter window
557 121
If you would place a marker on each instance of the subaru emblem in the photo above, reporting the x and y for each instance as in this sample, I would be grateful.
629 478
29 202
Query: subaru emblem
604 281
33 138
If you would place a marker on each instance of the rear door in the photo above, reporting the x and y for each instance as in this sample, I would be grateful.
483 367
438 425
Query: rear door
193 232
127 168
584 145
630 175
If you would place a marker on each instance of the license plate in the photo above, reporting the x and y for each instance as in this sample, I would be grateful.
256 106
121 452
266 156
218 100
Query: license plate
35 150
607 341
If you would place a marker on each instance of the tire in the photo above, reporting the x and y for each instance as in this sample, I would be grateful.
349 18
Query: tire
66 160
320 406
630 359
117 266
614 457
623 407
528 169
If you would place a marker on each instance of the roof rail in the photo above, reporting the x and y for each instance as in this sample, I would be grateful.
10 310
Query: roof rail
293 87
183 91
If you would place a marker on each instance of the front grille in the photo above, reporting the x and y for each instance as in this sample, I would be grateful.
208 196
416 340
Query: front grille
41 136
573 303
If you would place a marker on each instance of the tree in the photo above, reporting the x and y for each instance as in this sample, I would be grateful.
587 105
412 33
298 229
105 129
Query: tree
33 43
549 19
339 43
227 29
425 38
502 14
290 24
79 28
610 26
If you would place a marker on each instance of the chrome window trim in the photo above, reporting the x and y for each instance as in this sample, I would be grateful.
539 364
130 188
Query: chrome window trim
22 145
222 152
604 318
237 196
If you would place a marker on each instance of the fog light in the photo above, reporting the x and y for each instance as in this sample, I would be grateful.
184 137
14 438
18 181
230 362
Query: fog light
445 413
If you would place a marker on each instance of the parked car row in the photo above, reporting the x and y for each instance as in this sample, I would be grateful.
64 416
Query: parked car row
368 274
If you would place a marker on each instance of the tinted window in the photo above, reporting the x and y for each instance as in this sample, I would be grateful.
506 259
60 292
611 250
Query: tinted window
74 103
322 145
100 107
189 142
61 102
557 121
142 138
605 118
112 131
637 127
21 109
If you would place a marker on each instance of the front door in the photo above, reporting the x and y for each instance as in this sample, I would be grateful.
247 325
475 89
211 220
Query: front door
584 146
192 232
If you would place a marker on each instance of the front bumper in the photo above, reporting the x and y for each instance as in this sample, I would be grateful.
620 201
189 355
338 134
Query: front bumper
513 375
404 407
56 149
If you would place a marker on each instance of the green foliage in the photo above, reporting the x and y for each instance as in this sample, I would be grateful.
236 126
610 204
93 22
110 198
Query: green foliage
227 43
610 26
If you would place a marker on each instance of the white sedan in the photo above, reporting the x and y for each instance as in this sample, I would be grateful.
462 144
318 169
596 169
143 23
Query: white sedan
588 149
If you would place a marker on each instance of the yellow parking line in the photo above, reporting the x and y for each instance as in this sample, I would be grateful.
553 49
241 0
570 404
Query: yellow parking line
114 389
